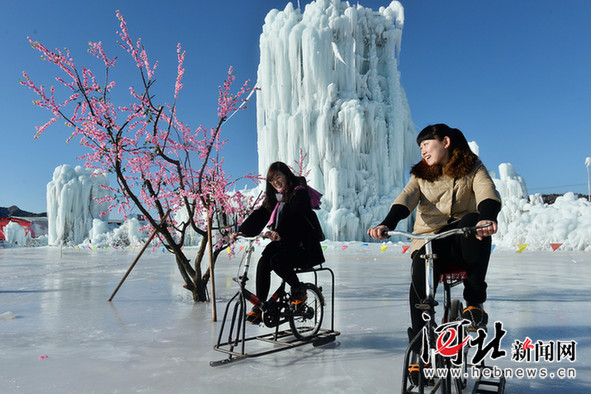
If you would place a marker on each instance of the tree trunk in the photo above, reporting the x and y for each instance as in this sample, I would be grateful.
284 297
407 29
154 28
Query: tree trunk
200 285
200 291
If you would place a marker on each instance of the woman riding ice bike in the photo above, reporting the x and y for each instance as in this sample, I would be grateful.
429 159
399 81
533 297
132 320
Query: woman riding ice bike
450 188
305 318
436 358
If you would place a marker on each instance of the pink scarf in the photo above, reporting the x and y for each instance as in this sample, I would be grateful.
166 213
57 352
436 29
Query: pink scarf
315 196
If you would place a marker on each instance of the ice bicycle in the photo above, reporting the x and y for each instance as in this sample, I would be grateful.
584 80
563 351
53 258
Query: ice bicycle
415 366
305 320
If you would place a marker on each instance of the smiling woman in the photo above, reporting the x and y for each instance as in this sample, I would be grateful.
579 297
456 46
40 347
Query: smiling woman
287 212
435 151
451 188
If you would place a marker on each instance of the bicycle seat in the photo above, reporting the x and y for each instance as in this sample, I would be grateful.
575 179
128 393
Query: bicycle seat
313 268
452 274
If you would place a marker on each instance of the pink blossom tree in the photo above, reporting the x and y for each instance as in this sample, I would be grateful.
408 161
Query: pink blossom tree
165 168
300 165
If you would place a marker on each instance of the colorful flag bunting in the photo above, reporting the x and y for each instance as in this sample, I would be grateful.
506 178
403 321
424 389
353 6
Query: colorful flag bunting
405 248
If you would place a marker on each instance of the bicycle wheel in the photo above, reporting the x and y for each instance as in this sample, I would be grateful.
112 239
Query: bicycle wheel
306 321
445 381
460 383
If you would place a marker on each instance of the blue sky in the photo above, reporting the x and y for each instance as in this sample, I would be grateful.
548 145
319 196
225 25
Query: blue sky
515 76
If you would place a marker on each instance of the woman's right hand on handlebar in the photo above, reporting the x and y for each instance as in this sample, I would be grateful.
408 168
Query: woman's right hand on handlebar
233 236
378 232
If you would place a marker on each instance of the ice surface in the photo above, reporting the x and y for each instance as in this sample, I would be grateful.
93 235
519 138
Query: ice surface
73 203
66 337
330 86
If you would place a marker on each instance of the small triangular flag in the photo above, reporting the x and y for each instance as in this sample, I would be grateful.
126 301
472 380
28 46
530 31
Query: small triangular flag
345 247
240 250
555 246
405 248
384 247
492 247
323 247
521 248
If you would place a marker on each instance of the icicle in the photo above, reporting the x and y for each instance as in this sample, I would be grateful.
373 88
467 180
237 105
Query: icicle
330 86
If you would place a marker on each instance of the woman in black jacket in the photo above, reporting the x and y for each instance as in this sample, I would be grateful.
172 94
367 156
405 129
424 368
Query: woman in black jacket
293 230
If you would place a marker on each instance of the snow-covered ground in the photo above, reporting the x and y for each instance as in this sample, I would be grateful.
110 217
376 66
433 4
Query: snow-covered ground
59 334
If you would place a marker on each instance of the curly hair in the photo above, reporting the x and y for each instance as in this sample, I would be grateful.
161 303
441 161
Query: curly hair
461 158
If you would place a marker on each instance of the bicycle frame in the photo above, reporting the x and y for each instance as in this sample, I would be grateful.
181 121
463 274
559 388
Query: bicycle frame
242 278
428 305
274 314
429 256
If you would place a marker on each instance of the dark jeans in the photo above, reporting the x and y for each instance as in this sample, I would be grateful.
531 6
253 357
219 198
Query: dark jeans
468 253
282 259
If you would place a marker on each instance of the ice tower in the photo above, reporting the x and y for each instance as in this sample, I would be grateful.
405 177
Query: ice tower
72 203
330 86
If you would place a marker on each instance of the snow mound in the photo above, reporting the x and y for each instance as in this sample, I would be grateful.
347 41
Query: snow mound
567 223
16 235
528 221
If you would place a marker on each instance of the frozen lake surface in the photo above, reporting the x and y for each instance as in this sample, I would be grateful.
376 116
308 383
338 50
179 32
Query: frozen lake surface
59 334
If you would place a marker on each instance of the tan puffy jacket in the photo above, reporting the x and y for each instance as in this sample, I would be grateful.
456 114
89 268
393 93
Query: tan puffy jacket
445 199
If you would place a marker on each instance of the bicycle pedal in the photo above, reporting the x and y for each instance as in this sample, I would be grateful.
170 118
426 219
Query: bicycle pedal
296 307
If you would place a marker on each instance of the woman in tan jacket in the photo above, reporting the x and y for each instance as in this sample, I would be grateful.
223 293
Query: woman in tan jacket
451 188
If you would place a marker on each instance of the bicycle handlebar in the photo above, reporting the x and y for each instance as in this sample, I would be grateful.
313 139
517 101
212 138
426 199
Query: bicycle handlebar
254 238
249 238
430 237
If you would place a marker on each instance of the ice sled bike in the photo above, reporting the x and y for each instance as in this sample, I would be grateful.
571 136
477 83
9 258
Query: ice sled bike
305 320
430 371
